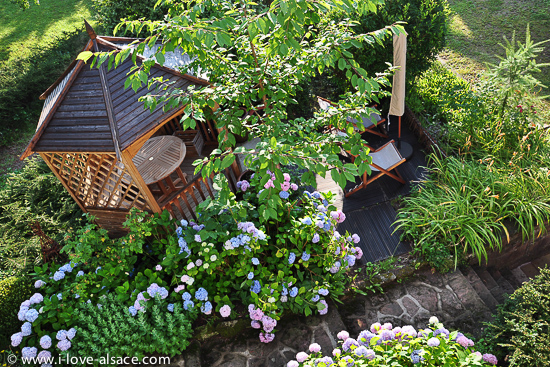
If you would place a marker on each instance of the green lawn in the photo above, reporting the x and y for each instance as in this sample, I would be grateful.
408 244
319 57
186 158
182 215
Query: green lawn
21 30
477 27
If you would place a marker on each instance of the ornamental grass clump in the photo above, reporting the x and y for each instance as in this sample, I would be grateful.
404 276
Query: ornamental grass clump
385 345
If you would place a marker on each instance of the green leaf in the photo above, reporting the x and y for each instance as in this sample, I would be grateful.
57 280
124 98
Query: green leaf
85 55
283 48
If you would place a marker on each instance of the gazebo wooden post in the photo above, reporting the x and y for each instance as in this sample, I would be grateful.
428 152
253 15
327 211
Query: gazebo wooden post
126 159
54 170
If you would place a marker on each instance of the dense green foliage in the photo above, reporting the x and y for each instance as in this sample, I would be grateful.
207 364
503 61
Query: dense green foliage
497 173
13 291
520 331
465 206
32 195
110 329
110 12
422 17
24 79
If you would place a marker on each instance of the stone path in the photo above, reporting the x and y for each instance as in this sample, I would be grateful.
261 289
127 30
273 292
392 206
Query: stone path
461 300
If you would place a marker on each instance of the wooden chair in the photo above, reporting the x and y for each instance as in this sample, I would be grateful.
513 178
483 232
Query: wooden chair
384 160
370 123
191 138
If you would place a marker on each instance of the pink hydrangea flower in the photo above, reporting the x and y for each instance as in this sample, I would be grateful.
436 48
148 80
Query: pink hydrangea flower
358 253
336 352
375 327
489 358
338 215
285 186
269 184
179 288
158 268
266 337
300 357
293 364
255 324
225 311
343 335
286 177
293 186
355 238
314 348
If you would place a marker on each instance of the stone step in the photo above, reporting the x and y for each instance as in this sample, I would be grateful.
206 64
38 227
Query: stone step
510 277
502 282
541 262
530 270
480 288
520 275
490 283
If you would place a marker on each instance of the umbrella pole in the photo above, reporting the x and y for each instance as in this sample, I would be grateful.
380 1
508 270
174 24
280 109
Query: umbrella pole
399 135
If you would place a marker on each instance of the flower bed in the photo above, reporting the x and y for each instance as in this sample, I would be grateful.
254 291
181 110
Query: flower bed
231 262
384 345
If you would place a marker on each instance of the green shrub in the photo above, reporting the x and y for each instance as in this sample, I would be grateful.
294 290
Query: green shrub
520 332
23 80
13 291
109 329
423 17
30 195
110 12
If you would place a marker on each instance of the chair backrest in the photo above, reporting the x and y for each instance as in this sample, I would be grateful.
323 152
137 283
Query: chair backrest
386 157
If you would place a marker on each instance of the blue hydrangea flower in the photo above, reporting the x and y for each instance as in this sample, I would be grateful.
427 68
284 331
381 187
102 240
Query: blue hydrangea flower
315 298
325 202
80 273
255 261
291 258
58 275
256 287
26 329
198 238
206 308
294 292
250 275
285 291
184 223
350 259
305 256
186 296
45 342
327 226
316 195
61 335
132 310
170 307
98 268
201 294
179 231
284 195
31 315
315 238
188 304
307 221
323 292
67 268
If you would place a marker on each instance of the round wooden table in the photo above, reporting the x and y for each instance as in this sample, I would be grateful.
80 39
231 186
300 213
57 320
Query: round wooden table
158 159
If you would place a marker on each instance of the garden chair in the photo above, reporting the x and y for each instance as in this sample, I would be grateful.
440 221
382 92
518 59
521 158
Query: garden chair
384 160
370 123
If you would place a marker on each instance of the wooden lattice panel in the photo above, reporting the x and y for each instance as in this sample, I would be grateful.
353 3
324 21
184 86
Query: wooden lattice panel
97 180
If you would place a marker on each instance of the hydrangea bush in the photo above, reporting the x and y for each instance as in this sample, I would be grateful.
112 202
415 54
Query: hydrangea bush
232 258
234 255
385 345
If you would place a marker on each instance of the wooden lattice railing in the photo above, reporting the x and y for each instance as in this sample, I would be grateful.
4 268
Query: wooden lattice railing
96 181
183 203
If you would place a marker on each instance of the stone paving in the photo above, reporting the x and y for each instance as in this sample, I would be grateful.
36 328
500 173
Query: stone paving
450 297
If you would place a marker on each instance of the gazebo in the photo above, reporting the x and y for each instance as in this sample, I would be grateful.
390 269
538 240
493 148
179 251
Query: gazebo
95 136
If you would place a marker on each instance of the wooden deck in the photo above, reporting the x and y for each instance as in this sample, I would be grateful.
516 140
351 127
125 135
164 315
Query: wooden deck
370 212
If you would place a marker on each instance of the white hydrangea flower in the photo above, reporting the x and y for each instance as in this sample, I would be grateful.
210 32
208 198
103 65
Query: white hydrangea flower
433 320
213 258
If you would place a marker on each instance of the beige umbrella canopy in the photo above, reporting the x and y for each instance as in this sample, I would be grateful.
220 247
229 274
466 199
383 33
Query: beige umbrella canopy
397 104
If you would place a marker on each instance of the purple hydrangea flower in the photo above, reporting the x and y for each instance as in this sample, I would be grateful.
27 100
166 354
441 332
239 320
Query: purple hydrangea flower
44 356
31 315
315 298
198 238
46 342
441 331
293 187
355 238
16 339
364 337
305 256
323 292
29 352
293 292
433 342
58 275
71 333
335 268
348 343
64 345
266 337
61 335
26 329
324 310
39 284
255 324
360 351
315 238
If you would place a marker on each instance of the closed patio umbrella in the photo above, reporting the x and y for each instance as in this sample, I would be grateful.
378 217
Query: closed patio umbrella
397 104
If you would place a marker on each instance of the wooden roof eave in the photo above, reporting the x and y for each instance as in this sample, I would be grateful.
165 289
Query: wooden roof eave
29 149
192 78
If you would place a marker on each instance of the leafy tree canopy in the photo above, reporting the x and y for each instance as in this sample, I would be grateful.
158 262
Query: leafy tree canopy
254 56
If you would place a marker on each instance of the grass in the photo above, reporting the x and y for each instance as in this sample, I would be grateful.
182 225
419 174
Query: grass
21 30
476 27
